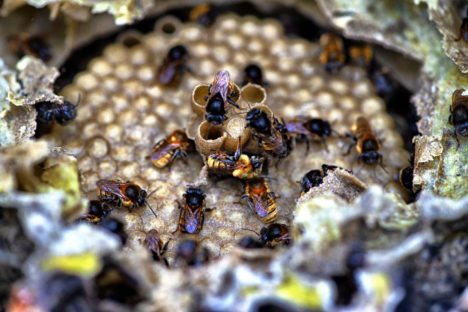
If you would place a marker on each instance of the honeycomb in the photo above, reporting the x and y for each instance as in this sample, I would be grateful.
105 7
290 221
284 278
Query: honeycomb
123 112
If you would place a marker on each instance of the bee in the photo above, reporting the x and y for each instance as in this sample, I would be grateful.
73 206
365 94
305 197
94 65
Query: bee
261 199
215 110
155 246
314 177
116 227
367 145
165 151
203 14
272 136
192 211
47 112
123 194
361 55
33 45
253 74
223 86
459 114
97 211
270 236
250 242
173 66
309 129
406 178
333 54
191 253
239 165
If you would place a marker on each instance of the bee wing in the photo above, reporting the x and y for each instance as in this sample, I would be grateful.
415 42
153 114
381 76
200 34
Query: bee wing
260 206
161 149
167 73
112 187
192 220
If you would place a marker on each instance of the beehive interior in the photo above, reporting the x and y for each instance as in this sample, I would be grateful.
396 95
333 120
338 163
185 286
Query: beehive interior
124 111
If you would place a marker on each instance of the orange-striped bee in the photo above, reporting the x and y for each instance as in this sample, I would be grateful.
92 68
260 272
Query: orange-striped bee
173 66
122 194
165 151
361 55
367 145
333 54
272 136
239 165
192 211
155 246
459 114
223 85
203 14
261 199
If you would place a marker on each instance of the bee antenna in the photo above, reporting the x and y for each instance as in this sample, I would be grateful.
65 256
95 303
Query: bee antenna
245 229
151 208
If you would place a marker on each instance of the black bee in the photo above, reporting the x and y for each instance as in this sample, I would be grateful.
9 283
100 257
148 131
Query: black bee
250 242
215 110
253 74
116 227
272 136
190 253
174 65
309 129
22 45
314 178
270 236
459 114
97 211
47 112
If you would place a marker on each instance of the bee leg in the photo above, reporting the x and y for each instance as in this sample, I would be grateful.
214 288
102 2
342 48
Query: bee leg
165 262
456 138
274 195
209 209
324 142
231 101
307 141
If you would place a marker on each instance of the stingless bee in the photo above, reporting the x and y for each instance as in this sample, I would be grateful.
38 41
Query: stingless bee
215 110
191 253
261 199
203 14
308 129
165 151
366 143
33 45
155 246
333 54
253 74
361 55
272 136
47 112
270 236
314 178
192 211
97 211
459 114
239 165
174 65
223 85
116 227
122 194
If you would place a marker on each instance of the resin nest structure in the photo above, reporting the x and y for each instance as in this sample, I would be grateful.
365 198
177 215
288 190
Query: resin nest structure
124 112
